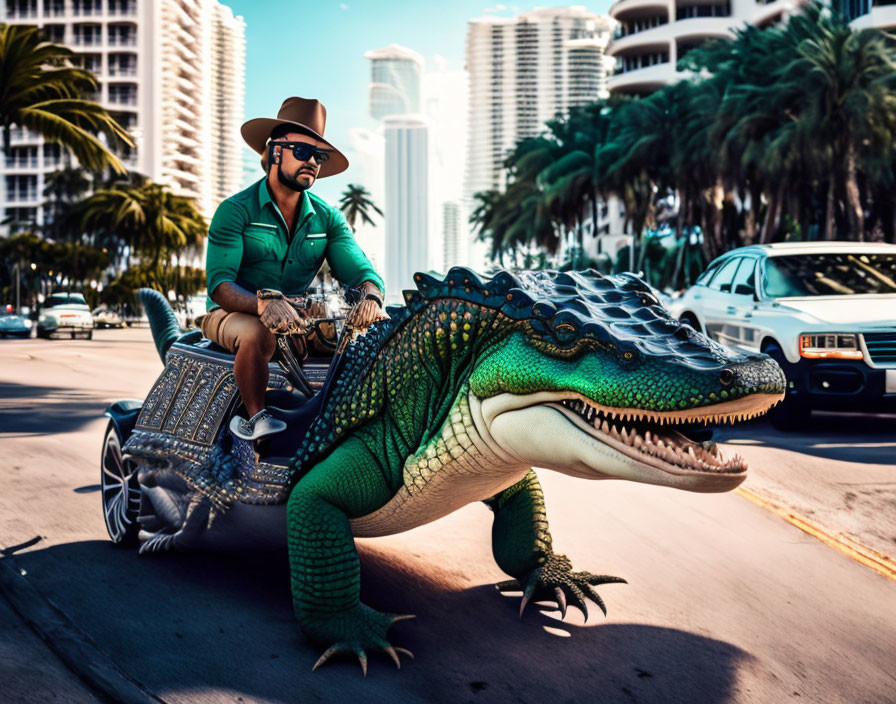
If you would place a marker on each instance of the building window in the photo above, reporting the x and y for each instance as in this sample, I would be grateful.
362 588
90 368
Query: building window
87 8
122 94
128 120
21 187
54 8
21 9
633 63
123 34
122 7
52 154
90 62
122 64
54 33
21 158
639 24
852 9
88 34
686 12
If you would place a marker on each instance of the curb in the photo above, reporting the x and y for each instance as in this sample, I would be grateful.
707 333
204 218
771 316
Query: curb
849 547
71 645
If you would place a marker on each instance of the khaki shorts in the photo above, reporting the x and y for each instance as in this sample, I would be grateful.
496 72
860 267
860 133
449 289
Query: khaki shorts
229 329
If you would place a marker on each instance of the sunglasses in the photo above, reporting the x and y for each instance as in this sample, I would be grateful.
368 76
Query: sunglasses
304 151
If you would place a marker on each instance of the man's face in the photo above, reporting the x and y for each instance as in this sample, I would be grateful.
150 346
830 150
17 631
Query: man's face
295 174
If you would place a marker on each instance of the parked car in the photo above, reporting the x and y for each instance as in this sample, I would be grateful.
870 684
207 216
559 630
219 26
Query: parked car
14 325
825 311
65 313
105 317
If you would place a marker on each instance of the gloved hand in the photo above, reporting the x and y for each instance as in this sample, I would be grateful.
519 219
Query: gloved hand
279 316
367 311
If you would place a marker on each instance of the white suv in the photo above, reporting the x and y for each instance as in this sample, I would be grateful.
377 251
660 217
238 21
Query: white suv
825 311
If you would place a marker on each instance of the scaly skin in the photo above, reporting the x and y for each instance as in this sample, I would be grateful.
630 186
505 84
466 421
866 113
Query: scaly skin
455 398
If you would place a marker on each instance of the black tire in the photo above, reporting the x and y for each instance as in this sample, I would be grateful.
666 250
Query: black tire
120 490
792 413
691 320
89 335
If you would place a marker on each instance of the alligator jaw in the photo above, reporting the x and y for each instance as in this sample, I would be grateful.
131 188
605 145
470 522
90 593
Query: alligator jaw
649 437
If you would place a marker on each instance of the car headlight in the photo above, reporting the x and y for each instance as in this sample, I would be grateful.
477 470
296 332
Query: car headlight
830 346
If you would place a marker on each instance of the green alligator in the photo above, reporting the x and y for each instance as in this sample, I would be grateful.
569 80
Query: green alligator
472 384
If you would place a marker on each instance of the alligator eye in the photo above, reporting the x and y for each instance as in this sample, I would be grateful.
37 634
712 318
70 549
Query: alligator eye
726 377
628 355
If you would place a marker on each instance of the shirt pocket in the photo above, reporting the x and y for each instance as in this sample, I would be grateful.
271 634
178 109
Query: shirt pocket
311 253
259 243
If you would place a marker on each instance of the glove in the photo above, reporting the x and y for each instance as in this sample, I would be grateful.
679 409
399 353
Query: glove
369 309
279 316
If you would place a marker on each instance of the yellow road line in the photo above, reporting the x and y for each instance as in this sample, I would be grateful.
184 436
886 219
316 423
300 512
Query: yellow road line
858 552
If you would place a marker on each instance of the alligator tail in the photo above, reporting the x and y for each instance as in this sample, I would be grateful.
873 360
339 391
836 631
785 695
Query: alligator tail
162 322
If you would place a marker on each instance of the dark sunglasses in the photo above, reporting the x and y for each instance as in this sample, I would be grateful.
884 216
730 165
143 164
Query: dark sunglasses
304 151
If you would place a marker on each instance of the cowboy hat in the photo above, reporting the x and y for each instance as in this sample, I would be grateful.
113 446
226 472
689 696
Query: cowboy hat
309 117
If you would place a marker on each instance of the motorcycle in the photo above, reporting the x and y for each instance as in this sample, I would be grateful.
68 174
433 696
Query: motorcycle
169 464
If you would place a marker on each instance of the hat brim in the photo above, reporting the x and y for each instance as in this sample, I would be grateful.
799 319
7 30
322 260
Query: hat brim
257 131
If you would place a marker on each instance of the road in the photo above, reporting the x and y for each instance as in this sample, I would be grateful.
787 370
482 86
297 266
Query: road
726 602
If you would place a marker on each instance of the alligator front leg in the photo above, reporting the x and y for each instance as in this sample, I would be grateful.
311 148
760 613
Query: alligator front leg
324 563
521 544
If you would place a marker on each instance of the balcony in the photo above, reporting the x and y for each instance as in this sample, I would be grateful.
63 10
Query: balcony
122 8
21 9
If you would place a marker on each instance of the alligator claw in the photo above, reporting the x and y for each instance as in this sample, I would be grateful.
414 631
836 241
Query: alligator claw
555 579
356 632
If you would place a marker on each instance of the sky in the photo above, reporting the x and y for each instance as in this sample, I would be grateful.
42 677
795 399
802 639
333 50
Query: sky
316 50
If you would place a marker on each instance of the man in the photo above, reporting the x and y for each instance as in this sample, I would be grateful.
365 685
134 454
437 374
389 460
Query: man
266 245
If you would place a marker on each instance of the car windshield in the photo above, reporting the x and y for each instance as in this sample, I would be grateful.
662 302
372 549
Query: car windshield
72 299
830 274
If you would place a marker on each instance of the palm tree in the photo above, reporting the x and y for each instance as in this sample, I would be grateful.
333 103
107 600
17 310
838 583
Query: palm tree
146 218
41 90
356 203
62 189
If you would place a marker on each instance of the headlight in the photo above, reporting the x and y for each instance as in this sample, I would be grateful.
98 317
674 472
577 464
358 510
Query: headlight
830 346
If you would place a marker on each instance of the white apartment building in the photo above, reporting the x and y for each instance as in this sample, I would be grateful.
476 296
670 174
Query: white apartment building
395 81
173 73
652 35
407 199
524 71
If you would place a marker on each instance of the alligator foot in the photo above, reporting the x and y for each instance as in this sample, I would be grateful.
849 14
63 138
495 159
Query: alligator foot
357 631
555 581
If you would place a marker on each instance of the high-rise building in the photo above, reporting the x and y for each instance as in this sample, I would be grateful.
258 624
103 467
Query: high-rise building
407 199
652 37
172 71
395 81
454 246
524 71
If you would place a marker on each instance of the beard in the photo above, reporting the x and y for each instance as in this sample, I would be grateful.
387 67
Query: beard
292 182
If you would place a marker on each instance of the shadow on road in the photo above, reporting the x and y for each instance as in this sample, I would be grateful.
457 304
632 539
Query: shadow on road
206 623
861 438
46 409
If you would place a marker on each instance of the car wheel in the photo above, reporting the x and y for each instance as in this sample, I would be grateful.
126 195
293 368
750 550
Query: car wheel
691 320
120 490
792 413
89 334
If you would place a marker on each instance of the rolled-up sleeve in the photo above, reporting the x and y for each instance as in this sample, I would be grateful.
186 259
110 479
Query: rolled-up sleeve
225 244
347 260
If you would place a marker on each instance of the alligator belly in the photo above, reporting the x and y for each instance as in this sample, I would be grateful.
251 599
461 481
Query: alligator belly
426 501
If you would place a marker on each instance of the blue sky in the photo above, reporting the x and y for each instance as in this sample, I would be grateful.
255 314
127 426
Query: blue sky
316 50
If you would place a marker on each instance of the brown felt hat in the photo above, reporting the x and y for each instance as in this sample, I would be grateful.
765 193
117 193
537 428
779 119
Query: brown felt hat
309 117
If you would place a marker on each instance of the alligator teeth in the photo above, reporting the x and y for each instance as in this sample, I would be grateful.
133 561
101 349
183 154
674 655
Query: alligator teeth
605 427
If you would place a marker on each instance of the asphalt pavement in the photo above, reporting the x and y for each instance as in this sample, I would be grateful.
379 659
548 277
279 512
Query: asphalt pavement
726 602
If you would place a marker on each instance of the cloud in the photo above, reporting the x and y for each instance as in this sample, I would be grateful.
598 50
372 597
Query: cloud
497 8
343 6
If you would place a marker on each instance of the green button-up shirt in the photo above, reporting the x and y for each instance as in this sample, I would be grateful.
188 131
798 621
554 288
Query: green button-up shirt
248 244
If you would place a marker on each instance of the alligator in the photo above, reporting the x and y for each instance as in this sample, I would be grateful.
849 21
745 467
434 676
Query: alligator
469 386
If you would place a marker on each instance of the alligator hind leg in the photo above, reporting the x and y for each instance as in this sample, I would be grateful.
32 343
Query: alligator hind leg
324 562
521 544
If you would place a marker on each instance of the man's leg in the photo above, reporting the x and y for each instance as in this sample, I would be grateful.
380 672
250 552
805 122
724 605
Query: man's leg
254 347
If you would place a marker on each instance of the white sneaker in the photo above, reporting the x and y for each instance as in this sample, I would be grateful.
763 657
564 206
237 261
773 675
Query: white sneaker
258 426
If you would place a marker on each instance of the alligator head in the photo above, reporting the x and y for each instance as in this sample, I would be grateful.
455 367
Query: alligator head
596 380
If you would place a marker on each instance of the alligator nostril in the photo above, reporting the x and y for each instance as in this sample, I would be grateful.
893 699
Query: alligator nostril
726 377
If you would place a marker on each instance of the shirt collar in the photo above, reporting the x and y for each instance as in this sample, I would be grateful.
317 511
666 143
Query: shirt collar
306 207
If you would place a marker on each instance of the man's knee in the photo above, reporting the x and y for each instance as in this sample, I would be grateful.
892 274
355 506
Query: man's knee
258 339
